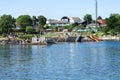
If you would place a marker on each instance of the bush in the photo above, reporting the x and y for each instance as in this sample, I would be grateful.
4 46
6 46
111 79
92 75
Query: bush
28 36
92 31
105 30
29 29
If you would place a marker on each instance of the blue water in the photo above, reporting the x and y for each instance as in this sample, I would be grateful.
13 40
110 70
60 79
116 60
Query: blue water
62 61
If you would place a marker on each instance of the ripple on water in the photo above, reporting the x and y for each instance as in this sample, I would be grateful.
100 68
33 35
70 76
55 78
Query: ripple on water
62 61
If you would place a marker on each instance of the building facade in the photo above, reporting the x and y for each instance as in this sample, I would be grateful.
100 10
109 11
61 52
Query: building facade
64 21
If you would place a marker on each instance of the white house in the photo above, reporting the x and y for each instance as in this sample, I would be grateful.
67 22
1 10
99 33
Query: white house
64 21
52 22
75 20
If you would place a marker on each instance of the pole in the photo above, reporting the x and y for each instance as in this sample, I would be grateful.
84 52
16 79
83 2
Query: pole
96 12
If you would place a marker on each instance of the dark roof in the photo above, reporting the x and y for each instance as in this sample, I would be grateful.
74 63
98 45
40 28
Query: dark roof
64 17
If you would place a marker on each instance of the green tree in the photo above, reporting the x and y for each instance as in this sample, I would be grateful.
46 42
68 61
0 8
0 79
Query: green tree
46 26
29 29
6 23
34 20
88 18
99 17
23 21
105 30
42 21
113 23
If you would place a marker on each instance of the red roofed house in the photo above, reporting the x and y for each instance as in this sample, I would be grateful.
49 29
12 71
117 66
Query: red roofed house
101 22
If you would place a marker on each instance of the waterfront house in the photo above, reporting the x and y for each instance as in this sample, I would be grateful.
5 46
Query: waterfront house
64 21
53 22
101 22
75 20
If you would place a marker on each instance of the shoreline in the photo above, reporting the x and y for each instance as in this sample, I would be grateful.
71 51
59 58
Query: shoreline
54 40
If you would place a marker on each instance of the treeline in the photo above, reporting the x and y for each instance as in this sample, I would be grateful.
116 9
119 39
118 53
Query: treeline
29 24
112 25
25 23
32 24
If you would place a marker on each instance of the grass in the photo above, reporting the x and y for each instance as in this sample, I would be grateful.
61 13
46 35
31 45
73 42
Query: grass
49 35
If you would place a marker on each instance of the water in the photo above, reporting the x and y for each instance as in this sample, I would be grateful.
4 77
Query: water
62 61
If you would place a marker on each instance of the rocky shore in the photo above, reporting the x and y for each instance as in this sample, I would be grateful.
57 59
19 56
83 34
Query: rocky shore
108 37
51 40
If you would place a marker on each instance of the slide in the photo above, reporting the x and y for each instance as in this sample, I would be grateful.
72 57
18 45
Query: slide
93 37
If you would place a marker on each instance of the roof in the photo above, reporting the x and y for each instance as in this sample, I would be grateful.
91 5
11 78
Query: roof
52 21
76 18
64 17
101 21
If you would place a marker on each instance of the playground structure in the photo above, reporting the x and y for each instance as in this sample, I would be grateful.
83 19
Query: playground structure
93 37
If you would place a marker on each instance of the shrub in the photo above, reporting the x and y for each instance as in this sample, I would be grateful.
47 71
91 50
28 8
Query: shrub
29 29
28 36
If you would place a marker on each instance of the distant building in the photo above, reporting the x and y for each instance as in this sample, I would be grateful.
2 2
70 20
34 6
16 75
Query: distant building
92 25
101 22
64 21
75 20
52 22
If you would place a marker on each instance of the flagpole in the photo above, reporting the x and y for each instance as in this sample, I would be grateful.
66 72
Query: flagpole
96 11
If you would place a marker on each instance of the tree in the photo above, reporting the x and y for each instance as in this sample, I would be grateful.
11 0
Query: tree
113 23
113 20
34 18
23 21
29 29
6 23
42 21
88 18
99 17
34 21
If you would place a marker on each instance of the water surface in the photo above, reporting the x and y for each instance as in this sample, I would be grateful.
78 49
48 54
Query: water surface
62 61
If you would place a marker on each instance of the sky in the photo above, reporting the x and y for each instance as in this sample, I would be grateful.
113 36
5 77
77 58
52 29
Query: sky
55 9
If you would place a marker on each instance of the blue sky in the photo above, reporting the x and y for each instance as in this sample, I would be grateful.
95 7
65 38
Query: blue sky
56 9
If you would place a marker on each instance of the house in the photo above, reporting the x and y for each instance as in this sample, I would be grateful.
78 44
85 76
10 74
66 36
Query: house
64 21
53 22
92 25
101 22
75 20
